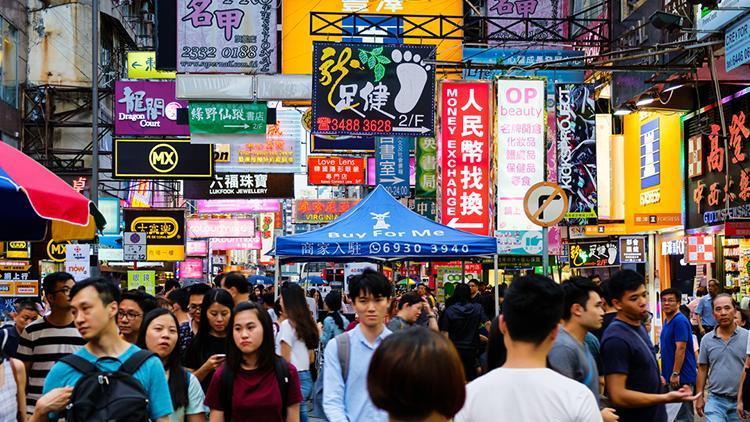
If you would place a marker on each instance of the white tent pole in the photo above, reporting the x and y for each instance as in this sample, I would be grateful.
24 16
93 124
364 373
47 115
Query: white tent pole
497 288
276 278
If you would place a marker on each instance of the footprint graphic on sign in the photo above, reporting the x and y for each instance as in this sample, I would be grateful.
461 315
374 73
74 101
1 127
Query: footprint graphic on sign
612 252
411 71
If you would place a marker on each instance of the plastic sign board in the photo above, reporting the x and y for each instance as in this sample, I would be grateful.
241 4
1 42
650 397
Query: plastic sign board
708 20
164 228
632 250
595 254
146 279
227 118
134 246
77 261
737 44
426 167
515 242
220 227
196 248
392 164
701 249
241 186
335 170
161 159
147 108
317 211
545 204
142 65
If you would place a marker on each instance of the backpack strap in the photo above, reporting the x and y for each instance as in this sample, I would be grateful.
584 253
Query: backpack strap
342 346
281 368
131 365
226 387
79 364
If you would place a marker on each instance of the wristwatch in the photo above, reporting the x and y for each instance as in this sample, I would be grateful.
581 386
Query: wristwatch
675 374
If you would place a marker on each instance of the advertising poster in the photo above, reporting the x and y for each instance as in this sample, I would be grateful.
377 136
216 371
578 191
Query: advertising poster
317 211
77 261
392 168
426 167
335 170
164 228
576 151
372 89
521 144
146 108
226 36
161 159
241 186
465 110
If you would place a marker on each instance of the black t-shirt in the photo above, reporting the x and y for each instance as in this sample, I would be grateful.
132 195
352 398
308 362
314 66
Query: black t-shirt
197 354
608 318
462 321
9 340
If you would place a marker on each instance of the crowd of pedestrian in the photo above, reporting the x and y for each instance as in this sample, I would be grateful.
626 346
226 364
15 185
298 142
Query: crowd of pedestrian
576 351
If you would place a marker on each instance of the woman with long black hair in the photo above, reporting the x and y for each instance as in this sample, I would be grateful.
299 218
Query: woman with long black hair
160 334
298 338
335 322
208 349
247 386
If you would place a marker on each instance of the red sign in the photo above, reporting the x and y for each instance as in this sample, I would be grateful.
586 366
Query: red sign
335 171
318 211
464 146
700 249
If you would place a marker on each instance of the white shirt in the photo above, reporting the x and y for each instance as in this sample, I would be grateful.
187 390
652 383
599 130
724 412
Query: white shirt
528 395
300 357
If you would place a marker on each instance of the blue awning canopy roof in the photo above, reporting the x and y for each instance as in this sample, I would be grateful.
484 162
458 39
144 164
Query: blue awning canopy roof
381 228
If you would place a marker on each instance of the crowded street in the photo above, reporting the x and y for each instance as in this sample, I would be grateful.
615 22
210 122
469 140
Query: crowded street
375 210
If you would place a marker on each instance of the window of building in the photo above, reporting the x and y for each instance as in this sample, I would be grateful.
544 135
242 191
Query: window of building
9 63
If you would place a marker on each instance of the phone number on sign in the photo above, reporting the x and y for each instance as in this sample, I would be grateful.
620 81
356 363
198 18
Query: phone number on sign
406 248
326 124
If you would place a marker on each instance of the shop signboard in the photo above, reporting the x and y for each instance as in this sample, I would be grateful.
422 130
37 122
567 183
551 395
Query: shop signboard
110 209
342 143
737 44
19 288
512 16
241 186
426 207
17 249
465 110
164 228
142 65
227 122
236 243
701 249
147 279
445 271
226 37
519 261
426 166
521 135
603 253
373 89
266 234
707 194
220 227
714 19
673 247
223 206
335 170
161 159
392 164
191 268
196 248
371 178
632 250
108 255
147 108
15 266
518 242
576 151
317 211
77 261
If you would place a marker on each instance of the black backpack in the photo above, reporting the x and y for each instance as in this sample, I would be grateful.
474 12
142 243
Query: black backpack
108 396
281 370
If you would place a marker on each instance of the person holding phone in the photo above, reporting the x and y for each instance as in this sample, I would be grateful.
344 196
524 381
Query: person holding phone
208 349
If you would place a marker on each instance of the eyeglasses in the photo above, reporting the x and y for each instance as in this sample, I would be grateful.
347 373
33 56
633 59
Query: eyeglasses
129 315
193 308
66 290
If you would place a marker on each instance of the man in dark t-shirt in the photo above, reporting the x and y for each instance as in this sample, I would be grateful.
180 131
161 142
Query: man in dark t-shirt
632 373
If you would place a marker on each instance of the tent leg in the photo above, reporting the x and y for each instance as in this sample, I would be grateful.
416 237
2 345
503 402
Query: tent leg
463 271
276 278
497 287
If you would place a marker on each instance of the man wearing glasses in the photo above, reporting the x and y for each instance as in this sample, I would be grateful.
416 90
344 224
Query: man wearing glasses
50 338
678 365
190 328
132 307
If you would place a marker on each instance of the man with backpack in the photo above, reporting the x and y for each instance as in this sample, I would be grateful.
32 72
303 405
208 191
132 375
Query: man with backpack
113 380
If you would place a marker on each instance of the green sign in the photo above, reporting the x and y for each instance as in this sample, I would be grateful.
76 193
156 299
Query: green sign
426 167
142 278
426 207
228 118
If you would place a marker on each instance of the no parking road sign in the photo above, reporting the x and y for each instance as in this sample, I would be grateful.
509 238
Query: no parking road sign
545 204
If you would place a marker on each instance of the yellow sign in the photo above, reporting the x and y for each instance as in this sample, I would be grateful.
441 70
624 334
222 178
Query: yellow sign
18 288
296 44
163 158
652 170
606 230
165 253
17 249
56 250
142 65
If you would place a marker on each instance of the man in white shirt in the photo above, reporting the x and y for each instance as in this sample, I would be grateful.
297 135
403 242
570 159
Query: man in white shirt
524 389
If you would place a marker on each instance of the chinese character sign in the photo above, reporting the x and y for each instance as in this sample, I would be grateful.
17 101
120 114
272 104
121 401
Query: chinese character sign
372 89
650 154
576 151
229 36
426 163
241 186
228 118
392 164
144 108
521 123
465 110
317 211
595 254
335 170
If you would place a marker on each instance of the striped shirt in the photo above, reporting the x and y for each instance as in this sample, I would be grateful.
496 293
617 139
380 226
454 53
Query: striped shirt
43 344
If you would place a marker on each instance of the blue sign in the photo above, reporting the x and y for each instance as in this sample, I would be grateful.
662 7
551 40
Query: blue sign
650 155
371 28
737 44
524 57
392 164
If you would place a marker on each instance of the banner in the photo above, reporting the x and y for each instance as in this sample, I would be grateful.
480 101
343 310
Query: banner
465 110
226 37
146 108
223 206
220 227
335 170
392 164
521 135
318 211
161 159
142 65
576 151
241 186
598 254
266 230
164 228
426 166
372 89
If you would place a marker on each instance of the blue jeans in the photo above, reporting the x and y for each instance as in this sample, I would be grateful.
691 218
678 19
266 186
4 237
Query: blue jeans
721 409
306 384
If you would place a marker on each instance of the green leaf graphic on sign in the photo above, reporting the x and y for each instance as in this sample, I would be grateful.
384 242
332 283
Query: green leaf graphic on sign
379 72
383 60
362 56
371 62
377 51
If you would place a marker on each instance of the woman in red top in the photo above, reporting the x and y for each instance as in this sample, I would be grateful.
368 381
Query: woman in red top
252 359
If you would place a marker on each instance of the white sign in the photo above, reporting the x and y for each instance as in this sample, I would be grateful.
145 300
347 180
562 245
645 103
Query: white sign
545 204
521 147
134 246
356 268
737 44
713 20
77 261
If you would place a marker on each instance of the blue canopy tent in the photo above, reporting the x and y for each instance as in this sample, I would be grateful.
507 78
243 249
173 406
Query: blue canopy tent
381 229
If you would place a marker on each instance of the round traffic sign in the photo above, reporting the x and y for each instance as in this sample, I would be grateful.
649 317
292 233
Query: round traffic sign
545 204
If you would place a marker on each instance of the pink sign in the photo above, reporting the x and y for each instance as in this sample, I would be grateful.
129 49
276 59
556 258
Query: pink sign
196 248
220 227
191 268
219 206
236 243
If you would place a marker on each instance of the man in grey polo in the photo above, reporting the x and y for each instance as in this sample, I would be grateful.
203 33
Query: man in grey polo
721 359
